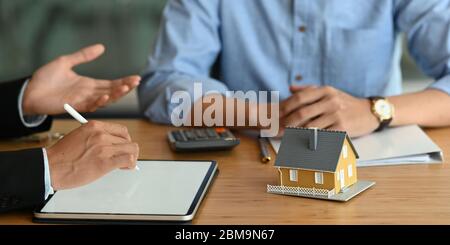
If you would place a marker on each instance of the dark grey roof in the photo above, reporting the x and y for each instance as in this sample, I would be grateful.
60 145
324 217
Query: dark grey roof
294 151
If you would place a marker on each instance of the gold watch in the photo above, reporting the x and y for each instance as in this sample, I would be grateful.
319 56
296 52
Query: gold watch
383 110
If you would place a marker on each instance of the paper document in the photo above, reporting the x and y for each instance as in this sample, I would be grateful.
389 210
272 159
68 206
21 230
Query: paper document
393 146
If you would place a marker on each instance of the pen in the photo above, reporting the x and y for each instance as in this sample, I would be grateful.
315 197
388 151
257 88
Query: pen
75 114
265 156
79 118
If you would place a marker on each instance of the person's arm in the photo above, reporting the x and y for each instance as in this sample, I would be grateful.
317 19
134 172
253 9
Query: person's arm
187 46
427 25
13 123
428 108
21 179
82 156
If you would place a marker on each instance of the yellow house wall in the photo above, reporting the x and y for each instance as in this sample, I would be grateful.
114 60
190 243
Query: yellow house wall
343 164
306 178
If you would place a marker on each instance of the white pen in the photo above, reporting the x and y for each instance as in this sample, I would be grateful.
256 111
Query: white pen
79 118
75 114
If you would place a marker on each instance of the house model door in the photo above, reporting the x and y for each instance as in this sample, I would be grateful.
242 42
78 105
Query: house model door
342 178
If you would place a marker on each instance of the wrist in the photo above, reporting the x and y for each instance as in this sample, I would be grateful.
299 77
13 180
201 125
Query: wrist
27 101
53 168
372 121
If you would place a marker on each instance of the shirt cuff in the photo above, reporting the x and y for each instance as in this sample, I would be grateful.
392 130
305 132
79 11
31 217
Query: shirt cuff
47 179
29 121
442 84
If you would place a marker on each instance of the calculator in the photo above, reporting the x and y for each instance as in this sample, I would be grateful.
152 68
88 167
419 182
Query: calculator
202 139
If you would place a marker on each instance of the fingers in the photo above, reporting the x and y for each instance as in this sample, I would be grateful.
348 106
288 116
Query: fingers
324 121
305 114
125 161
104 92
123 155
103 138
101 102
123 85
298 88
111 128
85 55
301 98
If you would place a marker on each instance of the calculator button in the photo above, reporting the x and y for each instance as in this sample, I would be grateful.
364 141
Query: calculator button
179 136
212 133
223 135
201 134
189 134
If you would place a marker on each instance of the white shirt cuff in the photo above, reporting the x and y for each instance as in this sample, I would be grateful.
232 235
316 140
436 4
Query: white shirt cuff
47 179
29 121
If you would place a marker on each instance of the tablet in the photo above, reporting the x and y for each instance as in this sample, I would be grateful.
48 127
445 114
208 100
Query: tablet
159 191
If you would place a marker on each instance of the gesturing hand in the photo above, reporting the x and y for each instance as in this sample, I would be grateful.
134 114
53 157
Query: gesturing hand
89 152
329 108
56 83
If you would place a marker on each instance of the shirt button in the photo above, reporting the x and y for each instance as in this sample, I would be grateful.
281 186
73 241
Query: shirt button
302 28
298 78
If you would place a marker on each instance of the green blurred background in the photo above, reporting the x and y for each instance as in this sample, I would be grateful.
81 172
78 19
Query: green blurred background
34 32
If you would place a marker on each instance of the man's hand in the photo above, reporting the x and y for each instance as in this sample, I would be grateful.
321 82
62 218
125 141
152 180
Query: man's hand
328 108
56 83
89 152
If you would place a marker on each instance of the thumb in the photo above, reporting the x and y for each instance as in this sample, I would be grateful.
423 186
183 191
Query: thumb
86 54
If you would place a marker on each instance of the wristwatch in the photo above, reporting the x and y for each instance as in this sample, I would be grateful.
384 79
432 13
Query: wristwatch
383 110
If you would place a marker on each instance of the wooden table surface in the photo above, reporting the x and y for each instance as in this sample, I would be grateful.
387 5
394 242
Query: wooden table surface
409 194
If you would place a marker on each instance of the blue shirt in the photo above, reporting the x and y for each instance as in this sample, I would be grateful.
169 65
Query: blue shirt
352 45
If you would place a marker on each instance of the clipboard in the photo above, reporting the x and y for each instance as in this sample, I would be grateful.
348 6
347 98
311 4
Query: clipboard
162 191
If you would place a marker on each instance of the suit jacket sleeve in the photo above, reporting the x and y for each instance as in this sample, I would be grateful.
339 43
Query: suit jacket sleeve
11 125
21 179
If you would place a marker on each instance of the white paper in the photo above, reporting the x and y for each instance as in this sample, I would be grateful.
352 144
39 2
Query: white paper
398 145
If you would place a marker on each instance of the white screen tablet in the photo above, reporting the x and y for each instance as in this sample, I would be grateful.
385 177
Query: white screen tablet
159 190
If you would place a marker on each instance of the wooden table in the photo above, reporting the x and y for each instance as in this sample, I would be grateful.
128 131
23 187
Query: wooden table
413 194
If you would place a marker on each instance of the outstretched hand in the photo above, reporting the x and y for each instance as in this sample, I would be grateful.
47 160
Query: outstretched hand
56 83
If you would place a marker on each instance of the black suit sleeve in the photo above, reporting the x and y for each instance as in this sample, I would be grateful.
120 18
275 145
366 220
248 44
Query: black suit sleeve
11 125
21 179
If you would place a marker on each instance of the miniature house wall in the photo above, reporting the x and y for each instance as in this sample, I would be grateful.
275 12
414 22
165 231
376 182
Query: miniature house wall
315 160
320 179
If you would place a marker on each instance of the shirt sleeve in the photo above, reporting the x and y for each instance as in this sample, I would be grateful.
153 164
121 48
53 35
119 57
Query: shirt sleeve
47 178
427 25
29 121
188 44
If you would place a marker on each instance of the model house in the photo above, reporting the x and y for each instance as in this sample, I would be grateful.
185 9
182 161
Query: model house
315 163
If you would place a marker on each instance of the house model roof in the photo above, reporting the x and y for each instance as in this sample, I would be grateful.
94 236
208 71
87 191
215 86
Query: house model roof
297 149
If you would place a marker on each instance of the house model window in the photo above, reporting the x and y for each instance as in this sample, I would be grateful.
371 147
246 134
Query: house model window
318 177
350 170
293 175
344 151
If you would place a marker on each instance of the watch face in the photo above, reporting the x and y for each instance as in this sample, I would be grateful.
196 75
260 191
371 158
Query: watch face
383 109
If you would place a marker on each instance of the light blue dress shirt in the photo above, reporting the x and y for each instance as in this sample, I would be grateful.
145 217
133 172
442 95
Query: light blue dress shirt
352 45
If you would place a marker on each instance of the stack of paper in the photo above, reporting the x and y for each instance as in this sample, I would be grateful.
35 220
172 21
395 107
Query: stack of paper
393 146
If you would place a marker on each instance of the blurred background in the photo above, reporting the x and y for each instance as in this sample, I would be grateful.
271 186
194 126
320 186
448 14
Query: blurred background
34 32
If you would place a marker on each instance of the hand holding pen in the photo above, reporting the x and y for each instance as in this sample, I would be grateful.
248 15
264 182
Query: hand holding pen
77 116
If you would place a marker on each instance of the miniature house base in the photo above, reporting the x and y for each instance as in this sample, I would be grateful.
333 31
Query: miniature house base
349 193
